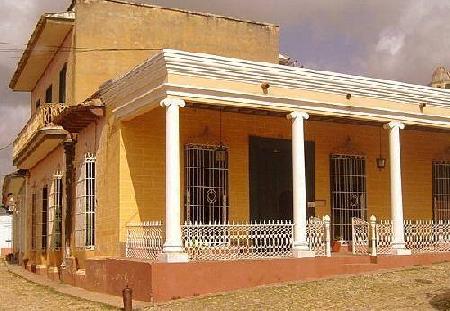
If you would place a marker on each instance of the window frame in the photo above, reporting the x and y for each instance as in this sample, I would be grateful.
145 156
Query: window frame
49 94
86 203
55 212
34 221
44 218
62 84
206 198
441 190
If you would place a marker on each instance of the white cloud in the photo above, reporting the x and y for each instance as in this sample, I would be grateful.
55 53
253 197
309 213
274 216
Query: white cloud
391 42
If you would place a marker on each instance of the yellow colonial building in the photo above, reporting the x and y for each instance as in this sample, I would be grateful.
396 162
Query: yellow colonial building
180 137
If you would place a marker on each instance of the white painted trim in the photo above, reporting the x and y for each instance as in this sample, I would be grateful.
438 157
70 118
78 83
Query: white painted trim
233 69
312 107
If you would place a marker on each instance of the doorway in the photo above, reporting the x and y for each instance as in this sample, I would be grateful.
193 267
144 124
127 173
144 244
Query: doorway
348 193
271 178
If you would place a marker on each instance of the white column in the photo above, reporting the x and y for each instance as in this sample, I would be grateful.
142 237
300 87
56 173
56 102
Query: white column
300 246
398 239
173 246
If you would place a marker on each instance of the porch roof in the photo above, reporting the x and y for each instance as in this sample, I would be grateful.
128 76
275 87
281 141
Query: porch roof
198 76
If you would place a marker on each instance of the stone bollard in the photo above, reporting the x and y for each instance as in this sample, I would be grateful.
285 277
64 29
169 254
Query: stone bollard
127 295
373 235
326 223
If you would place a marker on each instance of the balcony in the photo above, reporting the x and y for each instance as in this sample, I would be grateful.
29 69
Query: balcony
38 137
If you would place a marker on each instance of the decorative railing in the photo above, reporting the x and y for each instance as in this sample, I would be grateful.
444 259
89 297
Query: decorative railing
318 235
42 118
234 241
231 241
421 236
427 236
383 231
144 240
360 236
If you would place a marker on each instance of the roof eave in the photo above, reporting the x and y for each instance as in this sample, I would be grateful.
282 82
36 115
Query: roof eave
33 41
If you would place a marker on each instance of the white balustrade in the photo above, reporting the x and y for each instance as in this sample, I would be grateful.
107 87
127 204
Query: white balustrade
238 240
360 236
427 236
421 236
316 236
144 240
231 241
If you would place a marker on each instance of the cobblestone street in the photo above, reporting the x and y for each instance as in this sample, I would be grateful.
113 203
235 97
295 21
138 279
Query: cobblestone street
17 293
418 288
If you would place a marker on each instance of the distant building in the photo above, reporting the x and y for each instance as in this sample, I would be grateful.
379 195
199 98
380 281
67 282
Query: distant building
5 232
440 78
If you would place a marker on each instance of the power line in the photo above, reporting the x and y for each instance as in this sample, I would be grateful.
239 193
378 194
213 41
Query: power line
74 49
7 146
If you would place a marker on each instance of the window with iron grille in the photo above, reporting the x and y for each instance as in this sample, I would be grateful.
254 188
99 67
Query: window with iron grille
85 209
348 193
33 222
206 183
55 212
44 218
441 190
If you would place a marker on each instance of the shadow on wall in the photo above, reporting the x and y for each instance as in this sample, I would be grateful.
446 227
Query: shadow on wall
144 144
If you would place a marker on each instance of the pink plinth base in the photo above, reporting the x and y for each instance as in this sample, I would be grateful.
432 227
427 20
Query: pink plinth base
156 281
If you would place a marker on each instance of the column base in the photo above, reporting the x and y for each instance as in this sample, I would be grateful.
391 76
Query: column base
300 253
401 252
173 257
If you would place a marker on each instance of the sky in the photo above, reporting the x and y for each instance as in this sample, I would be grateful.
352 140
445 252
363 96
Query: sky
397 39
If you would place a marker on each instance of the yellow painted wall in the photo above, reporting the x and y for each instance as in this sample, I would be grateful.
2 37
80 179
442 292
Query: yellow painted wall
101 138
39 176
142 183
110 25
51 75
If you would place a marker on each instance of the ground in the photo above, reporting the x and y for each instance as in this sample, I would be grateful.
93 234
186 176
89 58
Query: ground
418 288
16 293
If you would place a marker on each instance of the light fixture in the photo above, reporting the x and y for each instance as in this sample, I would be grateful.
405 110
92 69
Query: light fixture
381 161
265 87
221 151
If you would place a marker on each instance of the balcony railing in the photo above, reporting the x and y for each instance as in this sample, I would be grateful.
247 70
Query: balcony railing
42 118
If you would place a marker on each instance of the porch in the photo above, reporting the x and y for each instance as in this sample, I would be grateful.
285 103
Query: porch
226 213
251 152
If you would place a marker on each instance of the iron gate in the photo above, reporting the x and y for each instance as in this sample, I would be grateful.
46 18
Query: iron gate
348 193
206 183
441 190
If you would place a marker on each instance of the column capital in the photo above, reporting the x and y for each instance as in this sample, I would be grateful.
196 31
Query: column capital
169 101
393 124
298 114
